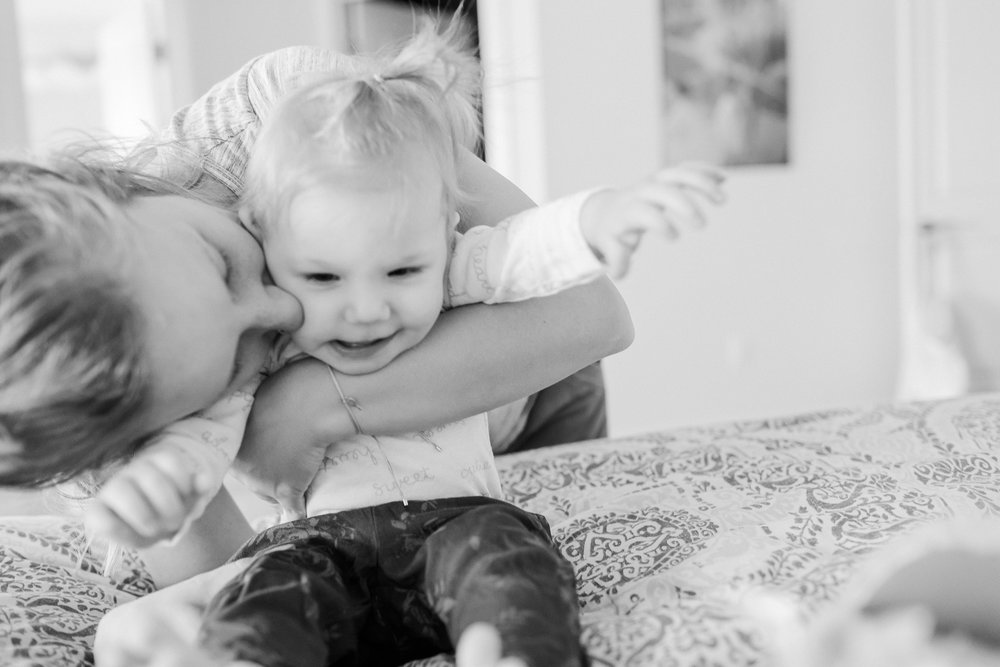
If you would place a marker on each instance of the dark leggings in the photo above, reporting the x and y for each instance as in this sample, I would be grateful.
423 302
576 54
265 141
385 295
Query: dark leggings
389 584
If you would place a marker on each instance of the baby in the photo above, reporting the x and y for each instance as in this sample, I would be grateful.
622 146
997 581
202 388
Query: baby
407 544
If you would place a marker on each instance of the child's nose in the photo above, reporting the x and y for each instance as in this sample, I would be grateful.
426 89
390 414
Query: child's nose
367 305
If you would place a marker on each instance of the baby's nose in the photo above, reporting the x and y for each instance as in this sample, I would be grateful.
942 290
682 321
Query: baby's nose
367 306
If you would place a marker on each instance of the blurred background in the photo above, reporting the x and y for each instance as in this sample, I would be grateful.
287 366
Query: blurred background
856 266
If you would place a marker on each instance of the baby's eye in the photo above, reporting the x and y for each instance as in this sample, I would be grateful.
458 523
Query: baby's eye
405 271
323 278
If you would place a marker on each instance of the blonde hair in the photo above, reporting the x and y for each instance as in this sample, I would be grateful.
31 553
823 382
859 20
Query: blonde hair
425 91
74 383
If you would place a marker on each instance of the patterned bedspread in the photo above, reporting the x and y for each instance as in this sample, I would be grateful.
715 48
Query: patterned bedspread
673 534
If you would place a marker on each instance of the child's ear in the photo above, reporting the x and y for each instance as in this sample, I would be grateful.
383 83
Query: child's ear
248 221
453 220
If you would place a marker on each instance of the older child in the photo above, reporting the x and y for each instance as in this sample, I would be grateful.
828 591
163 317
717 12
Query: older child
353 192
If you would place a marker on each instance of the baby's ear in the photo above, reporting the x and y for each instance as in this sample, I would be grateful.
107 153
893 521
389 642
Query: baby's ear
247 220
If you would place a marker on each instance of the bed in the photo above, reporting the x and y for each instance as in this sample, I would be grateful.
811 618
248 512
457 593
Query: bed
676 535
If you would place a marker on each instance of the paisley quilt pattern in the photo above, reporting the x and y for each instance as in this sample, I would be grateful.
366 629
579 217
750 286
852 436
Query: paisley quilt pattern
53 591
674 535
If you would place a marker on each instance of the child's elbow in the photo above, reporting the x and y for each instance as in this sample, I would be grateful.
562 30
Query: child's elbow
623 331
616 327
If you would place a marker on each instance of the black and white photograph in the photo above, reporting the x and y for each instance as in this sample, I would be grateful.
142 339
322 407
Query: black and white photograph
499 333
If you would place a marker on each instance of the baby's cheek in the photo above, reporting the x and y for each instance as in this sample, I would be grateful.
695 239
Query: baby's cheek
433 304
314 332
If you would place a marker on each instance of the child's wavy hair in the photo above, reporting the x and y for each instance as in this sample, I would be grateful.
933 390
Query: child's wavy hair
426 91
74 382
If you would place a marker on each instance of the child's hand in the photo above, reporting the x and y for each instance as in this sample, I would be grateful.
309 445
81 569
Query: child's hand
613 221
152 497
170 480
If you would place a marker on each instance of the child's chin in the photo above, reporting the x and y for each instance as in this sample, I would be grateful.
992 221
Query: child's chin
366 368
360 366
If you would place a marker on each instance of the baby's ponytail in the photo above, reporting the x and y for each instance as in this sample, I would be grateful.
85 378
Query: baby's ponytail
425 91
441 57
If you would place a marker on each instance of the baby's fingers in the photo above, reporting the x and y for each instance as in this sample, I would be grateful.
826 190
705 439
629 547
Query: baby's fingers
100 520
675 206
705 179
617 257
619 238
151 495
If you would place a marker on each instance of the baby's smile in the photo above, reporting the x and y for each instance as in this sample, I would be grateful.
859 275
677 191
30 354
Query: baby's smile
361 347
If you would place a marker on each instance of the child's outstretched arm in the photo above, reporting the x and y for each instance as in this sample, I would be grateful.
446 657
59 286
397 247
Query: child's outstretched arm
169 482
575 239
613 221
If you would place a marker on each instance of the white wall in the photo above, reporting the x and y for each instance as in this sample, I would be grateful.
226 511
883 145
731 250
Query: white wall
789 301
207 41
13 124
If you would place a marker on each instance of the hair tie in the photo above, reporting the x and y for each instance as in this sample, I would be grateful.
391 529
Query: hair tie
378 78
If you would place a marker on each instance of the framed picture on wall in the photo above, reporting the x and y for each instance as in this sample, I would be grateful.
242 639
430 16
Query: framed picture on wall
725 81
